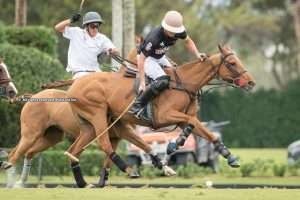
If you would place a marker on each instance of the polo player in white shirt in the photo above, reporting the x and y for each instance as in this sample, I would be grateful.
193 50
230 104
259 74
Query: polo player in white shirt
85 44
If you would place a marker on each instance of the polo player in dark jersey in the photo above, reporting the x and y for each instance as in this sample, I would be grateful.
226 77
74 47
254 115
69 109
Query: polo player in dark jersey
151 56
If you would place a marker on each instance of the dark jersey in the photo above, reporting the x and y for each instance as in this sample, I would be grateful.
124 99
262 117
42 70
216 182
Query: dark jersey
157 43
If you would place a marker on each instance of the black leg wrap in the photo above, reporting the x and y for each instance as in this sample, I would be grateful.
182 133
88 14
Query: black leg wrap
186 131
222 149
118 161
78 175
156 161
103 177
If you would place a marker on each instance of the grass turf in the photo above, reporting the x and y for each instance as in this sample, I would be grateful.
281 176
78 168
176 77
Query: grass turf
148 193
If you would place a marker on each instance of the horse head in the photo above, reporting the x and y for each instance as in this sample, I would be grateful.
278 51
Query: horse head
232 70
7 87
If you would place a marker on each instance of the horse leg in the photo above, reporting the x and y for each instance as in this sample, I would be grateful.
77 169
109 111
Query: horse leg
129 135
104 142
86 135
49 139
28 138
191 124
219 145
104 173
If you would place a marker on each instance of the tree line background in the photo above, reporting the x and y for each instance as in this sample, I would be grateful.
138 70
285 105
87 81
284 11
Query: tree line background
265 34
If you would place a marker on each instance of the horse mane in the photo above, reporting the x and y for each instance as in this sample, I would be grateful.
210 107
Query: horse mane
193 62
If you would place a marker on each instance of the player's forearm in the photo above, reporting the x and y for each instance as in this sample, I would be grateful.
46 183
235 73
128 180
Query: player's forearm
60 27
141 61
190 45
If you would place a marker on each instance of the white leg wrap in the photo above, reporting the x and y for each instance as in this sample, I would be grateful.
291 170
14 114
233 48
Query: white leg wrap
25 170
11 177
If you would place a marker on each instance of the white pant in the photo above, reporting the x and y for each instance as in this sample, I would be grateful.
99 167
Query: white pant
153 67
80 74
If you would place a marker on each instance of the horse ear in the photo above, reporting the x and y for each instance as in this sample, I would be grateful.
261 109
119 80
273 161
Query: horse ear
227 46
220 48
139 39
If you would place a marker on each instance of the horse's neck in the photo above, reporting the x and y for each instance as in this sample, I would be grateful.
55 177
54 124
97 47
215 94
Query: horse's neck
197 74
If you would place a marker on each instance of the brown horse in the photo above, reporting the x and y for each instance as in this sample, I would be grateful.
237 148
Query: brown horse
43 125
7 87
103 94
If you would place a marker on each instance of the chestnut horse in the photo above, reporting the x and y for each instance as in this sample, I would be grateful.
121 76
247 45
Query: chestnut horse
102 94
43 125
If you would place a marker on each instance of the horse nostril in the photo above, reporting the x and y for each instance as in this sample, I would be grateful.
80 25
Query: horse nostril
251 83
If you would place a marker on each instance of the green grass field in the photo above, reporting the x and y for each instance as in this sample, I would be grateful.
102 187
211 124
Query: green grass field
149 194
110 193
246 155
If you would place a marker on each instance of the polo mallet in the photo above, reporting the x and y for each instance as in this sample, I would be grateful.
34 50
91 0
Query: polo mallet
81 5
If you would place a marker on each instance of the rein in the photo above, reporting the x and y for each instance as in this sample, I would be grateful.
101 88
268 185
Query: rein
121 60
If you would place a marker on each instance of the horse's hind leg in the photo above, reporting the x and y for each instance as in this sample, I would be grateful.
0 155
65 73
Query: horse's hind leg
87 133
127 132
100 124
104 173
51 137
28 138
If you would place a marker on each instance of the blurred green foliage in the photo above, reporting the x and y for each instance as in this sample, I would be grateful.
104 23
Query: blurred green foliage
39 37
265 118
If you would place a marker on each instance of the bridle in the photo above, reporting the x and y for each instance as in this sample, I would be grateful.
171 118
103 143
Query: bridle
4 80
231 67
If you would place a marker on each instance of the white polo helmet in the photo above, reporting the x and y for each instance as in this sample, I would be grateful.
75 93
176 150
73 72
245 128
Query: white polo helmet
173 22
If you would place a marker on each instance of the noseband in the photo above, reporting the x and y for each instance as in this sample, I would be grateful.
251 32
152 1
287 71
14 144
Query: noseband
4 81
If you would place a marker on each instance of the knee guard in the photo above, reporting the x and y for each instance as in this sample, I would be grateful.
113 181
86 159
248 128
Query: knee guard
160 84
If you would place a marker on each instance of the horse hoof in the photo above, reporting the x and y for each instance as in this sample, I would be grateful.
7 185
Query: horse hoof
134 174
18 184
233 162
168 171
101 185
5 165
172 147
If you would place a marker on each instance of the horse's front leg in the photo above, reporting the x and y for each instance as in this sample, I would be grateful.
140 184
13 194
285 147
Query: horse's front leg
191 124
202 131
127 132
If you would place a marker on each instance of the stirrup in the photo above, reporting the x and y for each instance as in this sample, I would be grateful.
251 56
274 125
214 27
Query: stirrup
138 115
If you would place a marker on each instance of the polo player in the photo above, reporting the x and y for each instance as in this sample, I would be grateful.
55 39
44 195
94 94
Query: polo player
85 44
151 57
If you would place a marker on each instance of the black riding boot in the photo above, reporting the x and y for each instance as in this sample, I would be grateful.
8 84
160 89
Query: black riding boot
154 89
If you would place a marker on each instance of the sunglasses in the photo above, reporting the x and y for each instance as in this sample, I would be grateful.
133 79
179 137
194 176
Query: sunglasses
94 26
